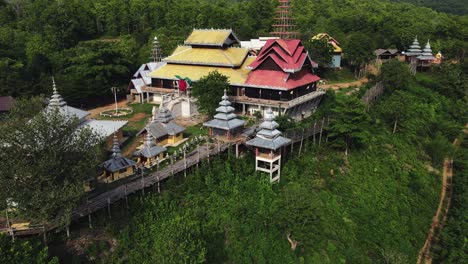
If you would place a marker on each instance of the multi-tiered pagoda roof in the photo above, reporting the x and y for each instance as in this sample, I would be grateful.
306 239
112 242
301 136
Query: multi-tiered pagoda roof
205 51
117 161
426 54
225 119
161 124
282 64
150 149
269 137
415 49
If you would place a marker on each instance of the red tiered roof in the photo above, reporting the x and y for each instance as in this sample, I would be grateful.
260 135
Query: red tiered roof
282 64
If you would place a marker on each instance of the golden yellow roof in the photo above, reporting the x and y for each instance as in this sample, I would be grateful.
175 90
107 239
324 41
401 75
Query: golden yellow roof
230 57
235 75
332 41
212 37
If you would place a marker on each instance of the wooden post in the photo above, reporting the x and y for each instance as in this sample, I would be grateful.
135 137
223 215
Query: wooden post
328 123
68 231
302 139
108 208
185 165
292 142
172 165
142 182
198 154
208 150
89 214
159 186
44 235
237 150
126 196
321 130
315 124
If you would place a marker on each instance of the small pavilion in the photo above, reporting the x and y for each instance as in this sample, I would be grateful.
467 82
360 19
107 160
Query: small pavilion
150 153
163 129
225 123
267 144
118 166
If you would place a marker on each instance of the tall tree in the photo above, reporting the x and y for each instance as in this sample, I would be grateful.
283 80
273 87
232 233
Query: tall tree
320 51
349 121
209 90
396 108
358 51
395 75
45 162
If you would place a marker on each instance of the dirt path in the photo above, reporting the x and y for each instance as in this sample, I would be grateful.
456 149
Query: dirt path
424 255
338 86
95 111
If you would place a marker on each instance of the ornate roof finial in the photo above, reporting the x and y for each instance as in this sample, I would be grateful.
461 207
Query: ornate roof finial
116 147
56 99
148 139
54 86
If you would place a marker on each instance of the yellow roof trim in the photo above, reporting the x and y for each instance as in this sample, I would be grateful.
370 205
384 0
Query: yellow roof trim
235 75
331 40
230 57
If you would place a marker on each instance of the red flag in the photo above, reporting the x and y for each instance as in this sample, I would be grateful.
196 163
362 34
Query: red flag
182 85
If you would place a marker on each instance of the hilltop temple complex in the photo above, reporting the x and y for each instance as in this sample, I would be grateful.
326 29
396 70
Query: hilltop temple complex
281 77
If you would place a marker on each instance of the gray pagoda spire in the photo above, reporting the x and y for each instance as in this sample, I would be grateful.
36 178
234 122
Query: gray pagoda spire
116 147
269 137
163 115
415 48
56 100
225 122
427 53
150 150
156 55
113 167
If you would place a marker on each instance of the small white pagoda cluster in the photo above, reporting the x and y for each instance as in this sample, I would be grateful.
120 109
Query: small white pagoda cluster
225 123
267 144
422 58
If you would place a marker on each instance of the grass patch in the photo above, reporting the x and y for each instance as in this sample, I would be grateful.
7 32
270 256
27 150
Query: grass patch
338 76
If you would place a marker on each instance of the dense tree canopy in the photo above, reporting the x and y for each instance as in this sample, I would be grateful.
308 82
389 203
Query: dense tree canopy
45 162
88 45
209 90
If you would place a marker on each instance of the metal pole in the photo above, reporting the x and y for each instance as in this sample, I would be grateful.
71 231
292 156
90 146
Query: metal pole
114 90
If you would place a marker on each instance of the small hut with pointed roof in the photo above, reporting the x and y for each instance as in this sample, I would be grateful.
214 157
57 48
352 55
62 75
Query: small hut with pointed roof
267 144
150 153
225 123
118 166
163 129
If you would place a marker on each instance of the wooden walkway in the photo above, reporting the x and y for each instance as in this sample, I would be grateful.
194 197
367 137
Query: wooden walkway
106 199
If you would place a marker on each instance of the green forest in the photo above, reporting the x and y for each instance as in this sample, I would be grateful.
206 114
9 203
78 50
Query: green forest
90 46
366 194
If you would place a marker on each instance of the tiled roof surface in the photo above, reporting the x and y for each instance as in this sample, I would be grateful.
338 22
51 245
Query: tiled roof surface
230 57
194 72
215 37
